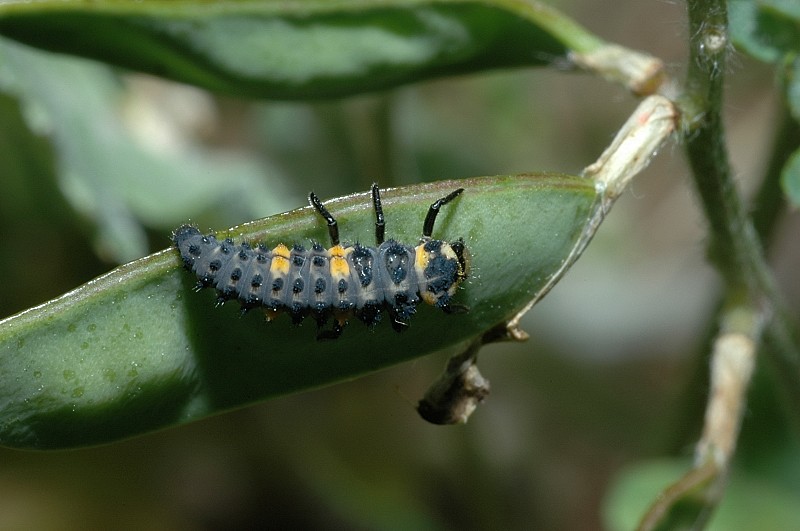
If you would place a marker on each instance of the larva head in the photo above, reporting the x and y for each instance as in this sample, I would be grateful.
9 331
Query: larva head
441 267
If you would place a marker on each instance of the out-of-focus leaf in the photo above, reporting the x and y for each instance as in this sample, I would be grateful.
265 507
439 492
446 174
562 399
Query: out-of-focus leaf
769 30
137 349
749 502
300 48
792 82
747 32
766 29
790 175
790 179
107 173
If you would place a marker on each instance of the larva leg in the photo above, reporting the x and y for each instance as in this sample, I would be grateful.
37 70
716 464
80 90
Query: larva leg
326 335
380 223
433 211
333 227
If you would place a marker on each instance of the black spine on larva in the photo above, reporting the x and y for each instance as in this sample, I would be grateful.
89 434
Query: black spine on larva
400 286
366 286
252 289
320 288
199 253
297 295
235 260
219 264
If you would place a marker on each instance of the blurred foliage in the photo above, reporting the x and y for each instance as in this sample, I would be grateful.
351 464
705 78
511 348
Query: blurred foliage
769 30
636 488
299 49
612 376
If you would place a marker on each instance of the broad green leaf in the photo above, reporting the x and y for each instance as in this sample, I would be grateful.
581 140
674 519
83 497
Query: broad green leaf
301 48
137 349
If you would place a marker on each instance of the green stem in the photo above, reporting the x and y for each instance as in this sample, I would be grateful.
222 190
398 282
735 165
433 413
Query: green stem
663 514
706 136
768 205
734 248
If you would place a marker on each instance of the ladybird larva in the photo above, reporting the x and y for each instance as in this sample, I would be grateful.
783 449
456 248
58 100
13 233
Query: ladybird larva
336 282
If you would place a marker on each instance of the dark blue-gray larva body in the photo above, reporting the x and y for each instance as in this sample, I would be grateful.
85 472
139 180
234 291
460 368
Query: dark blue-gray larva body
336 282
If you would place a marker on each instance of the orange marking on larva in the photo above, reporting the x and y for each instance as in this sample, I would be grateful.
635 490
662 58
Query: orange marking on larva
338 263
280 260
281 250
421 258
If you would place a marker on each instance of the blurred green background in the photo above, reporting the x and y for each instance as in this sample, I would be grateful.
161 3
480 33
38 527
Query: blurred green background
99 165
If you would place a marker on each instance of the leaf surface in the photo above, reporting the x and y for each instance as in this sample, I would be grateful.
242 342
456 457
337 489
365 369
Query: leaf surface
299 49
137 349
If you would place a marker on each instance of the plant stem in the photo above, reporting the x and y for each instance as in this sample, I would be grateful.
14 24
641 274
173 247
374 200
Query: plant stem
751 300
690 502
706 136
734 248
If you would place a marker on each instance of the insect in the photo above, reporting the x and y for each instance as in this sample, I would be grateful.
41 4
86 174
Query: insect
338 282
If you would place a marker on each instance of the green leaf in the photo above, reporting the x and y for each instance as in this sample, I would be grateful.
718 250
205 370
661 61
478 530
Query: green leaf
746 31
791 81
107 173
137 349
766 29
790 179
750 502
769 30
300 48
